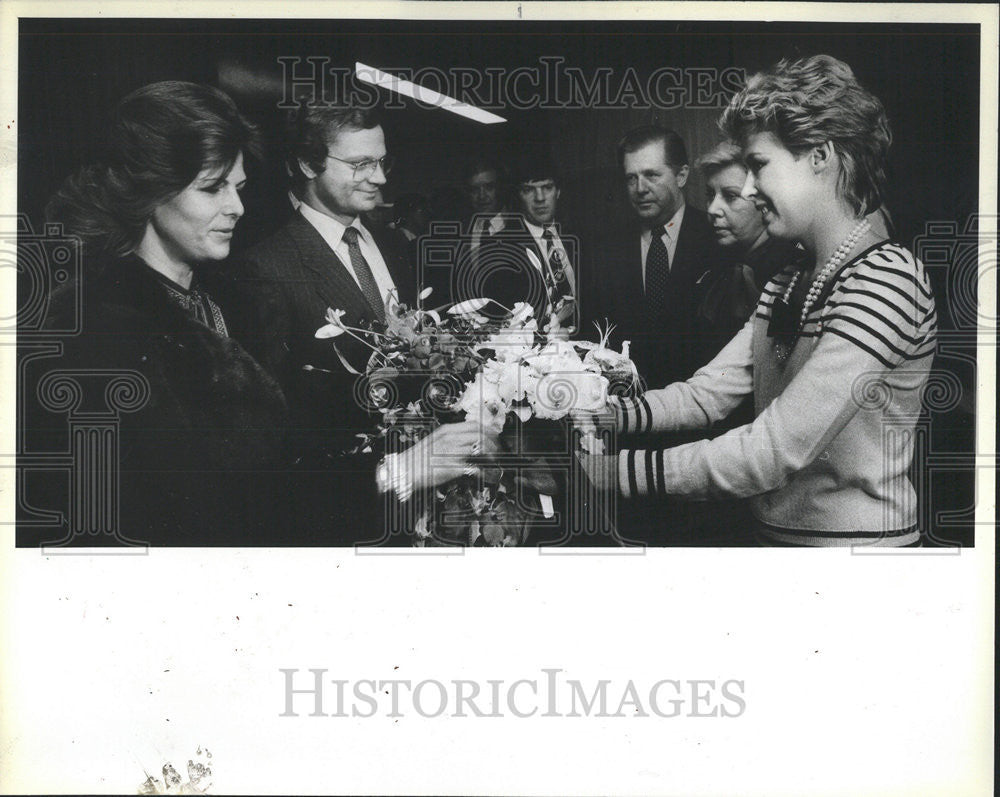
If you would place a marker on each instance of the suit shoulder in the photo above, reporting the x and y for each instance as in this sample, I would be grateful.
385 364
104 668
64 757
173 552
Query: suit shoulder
698 221
277 251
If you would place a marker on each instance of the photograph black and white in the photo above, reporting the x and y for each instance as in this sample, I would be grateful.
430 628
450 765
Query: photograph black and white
591 296
310 308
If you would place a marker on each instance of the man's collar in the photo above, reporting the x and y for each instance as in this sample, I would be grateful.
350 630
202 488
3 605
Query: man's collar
537 231
673 226
493 224
331 226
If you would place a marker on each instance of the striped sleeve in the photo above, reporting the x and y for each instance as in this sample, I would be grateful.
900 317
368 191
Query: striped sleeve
710 395
773 291
640 472
884 306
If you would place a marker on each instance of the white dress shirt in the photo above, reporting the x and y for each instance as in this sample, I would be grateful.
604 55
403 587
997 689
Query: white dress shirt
669 239
484 226
538 234
333 233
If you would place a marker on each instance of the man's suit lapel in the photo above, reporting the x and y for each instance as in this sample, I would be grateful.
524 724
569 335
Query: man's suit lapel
687 246
517 230
635 293
329 276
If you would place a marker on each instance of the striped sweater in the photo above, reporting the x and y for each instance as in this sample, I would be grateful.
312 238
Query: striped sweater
826 458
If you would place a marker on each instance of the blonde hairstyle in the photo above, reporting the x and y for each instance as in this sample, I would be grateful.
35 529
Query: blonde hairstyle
806 103
722 156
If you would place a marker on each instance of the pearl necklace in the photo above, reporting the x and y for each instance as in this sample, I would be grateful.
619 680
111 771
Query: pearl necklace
782 348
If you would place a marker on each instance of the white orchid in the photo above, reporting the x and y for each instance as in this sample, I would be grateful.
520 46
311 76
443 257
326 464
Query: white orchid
468 307
334 324
521 315
513 379
565 383
512 344
609 359
606 358
481 401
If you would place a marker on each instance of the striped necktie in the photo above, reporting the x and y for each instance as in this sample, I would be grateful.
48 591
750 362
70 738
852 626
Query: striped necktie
557 268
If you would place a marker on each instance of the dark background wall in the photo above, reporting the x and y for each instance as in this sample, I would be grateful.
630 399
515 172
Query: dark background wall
72 72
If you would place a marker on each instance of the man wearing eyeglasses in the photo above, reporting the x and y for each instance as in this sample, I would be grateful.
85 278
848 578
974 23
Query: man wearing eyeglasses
326 257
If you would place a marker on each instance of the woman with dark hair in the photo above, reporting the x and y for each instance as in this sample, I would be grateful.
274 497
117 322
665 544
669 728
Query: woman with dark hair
199 455
204 423
839 348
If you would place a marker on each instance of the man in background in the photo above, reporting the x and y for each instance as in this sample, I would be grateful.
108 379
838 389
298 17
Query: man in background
547 278
645 274
481 182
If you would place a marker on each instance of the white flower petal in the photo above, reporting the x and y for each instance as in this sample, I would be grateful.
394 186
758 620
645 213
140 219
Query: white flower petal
534 260
524 413
468 306
329 331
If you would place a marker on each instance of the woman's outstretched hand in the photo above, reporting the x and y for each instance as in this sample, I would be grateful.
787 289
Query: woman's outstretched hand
601 469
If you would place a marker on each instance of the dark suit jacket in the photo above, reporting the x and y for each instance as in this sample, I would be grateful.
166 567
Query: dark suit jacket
506 274
290 280
671 352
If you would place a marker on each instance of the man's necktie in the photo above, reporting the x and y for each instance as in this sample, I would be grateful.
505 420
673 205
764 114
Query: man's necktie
364 274
657 274
480 230
557 266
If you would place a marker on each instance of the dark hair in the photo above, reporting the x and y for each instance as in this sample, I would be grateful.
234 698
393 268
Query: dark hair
162 136
674 151
808 102
479 165
528 169
311 131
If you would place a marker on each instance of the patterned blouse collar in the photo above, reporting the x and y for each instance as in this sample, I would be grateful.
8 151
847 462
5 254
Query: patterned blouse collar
192 299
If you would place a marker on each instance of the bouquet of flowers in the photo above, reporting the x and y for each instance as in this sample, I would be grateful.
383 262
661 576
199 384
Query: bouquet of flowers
433 366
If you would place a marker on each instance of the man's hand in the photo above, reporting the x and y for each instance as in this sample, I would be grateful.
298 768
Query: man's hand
446 452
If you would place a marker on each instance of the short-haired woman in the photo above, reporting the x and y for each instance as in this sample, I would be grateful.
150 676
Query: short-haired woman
839 348
728 294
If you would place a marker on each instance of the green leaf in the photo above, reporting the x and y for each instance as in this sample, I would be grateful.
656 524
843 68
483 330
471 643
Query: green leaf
343 361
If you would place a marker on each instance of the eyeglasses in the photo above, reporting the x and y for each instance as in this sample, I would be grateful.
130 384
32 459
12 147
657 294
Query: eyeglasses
366 168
